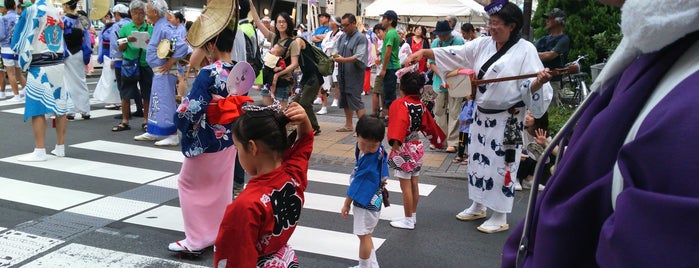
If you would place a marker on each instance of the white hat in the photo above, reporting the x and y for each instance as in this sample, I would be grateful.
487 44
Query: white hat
120 8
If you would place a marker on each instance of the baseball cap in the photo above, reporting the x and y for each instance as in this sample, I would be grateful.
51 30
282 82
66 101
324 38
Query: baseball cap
390 14
555 13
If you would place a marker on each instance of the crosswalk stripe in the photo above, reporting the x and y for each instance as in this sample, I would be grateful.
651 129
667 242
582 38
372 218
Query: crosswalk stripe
331 203
132 150
170 218
77 255
163 217
331 243
19 246
8 102
176 156
112 208
169 182
42 195
343 179
93 168
93 113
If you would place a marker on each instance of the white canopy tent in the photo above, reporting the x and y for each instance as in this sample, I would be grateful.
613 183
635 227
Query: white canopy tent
428 12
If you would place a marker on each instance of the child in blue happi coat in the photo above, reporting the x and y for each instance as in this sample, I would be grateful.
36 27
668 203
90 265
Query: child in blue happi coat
367 179
465 120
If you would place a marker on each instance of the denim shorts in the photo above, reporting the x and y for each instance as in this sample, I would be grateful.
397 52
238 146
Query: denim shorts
281 93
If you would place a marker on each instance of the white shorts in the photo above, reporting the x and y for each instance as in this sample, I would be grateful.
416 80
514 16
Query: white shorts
9 58
364 220
404 175
328 81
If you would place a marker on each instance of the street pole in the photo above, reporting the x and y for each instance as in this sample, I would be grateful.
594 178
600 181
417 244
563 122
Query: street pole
359 8
526 26
299 12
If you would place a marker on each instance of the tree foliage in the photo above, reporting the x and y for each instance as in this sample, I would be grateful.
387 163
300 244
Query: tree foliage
585 19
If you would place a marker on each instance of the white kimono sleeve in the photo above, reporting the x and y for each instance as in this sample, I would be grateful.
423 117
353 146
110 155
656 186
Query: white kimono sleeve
537 102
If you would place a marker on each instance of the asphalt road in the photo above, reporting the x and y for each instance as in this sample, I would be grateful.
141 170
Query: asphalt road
112 202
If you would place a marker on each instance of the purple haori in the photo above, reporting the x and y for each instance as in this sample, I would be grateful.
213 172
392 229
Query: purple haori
657 212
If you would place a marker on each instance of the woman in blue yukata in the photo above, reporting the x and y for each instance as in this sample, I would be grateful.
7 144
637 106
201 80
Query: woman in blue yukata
205 117
39 40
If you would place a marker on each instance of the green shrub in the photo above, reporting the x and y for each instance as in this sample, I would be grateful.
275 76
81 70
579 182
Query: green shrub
558 116
586 18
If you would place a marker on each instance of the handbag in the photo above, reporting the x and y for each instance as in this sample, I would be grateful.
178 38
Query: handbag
382 186
130 70
384 194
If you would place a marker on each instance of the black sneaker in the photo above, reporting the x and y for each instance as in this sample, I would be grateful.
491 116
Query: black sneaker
137 114
70 116
316 132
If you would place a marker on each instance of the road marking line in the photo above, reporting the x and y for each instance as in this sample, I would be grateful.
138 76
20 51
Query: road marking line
307 239
163 217
176 156
169 182
333 204
17 247
93 168
93 113
112 208
343 179
41 195
132 150
329 243
77 255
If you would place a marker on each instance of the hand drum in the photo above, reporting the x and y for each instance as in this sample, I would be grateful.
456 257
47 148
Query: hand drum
460 82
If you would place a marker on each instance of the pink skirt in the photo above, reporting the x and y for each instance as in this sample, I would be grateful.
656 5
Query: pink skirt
409 159
205 187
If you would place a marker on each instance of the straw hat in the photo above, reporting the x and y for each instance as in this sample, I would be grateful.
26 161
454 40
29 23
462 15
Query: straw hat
99 9
217 15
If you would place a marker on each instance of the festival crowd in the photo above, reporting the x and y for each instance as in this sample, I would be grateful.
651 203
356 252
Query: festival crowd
186 81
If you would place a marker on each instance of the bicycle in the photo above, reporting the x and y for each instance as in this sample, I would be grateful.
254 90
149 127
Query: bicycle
574 89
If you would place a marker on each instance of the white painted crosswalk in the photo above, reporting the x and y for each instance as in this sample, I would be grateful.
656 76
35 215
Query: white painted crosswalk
149 213
77 255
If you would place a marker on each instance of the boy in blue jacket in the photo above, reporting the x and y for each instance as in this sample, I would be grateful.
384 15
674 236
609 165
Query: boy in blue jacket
367 179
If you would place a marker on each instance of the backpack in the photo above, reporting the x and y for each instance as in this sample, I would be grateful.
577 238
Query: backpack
252 54
323 63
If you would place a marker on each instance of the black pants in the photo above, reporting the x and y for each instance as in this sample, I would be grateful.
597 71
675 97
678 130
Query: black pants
527 166
463 142
120 86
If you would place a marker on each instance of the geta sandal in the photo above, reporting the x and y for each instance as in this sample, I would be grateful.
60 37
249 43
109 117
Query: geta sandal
491 229
121 127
